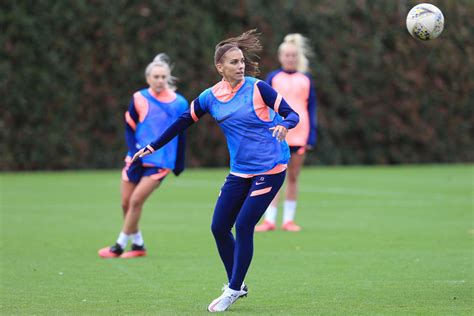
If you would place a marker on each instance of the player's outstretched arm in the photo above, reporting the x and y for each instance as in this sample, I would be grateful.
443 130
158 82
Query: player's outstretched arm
181 124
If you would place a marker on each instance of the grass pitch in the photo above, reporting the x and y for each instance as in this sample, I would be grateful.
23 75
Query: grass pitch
375 241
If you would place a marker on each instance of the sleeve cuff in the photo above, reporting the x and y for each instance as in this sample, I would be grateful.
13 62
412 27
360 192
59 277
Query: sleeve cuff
285 124
151 149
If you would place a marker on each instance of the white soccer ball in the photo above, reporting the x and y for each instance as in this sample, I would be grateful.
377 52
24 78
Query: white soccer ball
425 22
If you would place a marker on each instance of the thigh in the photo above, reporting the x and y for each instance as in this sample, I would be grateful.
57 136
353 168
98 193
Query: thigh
144 188
295 165
261 193
126 189
231 197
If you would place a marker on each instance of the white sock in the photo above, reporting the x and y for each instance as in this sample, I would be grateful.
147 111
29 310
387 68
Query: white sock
123 239
271 214
289 211
137 238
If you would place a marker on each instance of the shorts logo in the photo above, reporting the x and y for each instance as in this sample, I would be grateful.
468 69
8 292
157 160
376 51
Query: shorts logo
262 180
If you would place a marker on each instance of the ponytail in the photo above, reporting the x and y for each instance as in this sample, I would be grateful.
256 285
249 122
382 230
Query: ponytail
162 60
249 43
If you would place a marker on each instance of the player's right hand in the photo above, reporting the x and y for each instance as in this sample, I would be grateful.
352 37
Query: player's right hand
279 132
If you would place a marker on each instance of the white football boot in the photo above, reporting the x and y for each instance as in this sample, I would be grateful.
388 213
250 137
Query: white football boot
227 298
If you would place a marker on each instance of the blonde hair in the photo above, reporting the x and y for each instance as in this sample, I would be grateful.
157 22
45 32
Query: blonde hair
303 48
249 43
162 60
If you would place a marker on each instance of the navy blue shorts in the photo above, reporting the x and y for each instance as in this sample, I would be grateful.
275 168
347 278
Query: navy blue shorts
299 150
134 172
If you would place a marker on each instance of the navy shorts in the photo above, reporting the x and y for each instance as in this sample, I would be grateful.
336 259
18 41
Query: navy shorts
299 150
134 172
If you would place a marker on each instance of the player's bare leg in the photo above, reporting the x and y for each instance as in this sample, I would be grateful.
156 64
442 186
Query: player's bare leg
133 198
269 223
126 189
142 191
294 169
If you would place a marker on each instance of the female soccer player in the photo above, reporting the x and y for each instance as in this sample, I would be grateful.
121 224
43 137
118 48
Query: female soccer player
150 112
244 107
295 84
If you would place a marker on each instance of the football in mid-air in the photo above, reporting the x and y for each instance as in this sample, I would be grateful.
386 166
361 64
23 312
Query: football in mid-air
425 22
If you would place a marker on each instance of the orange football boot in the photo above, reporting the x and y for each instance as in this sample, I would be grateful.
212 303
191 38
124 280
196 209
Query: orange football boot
137 251
111 252
291 227
265 226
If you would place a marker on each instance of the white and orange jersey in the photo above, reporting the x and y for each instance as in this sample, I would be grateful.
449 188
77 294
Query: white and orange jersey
298 90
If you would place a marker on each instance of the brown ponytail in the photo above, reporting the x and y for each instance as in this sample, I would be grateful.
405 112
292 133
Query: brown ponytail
249 43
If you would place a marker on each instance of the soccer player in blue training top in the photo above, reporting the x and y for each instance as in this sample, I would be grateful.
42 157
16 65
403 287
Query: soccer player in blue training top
246 110
150 112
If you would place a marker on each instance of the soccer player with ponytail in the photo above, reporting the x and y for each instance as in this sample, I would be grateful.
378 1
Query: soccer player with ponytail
150 112
249 113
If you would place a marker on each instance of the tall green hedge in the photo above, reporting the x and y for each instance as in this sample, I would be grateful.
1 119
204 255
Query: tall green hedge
69 68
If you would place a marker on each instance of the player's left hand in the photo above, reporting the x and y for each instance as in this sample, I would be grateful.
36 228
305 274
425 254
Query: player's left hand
141 153
279 132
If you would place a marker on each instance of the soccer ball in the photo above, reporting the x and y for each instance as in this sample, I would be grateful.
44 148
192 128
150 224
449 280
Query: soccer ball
425 22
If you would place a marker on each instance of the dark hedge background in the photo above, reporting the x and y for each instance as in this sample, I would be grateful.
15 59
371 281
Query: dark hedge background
69 68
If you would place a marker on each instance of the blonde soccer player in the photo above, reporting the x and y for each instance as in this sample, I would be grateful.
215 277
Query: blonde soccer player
150 112
296 85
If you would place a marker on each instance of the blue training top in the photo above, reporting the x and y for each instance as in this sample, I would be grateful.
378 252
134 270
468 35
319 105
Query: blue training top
150 117
251 146
245 114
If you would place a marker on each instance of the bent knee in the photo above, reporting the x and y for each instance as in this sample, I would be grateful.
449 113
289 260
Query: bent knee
219 230
241 228
125 205
215 229
135 204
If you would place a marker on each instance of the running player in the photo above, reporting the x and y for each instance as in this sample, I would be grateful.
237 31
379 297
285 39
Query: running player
150 112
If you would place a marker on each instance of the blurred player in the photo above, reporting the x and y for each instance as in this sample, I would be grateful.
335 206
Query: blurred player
295 84
244 107
150 112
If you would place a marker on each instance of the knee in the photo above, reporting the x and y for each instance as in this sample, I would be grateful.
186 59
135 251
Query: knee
135 204
218 229
292 177
125 205
243 229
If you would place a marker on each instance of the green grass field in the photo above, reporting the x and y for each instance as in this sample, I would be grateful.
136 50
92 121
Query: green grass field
376 241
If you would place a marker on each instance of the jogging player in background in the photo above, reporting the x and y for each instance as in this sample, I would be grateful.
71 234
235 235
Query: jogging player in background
150 112
295 84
